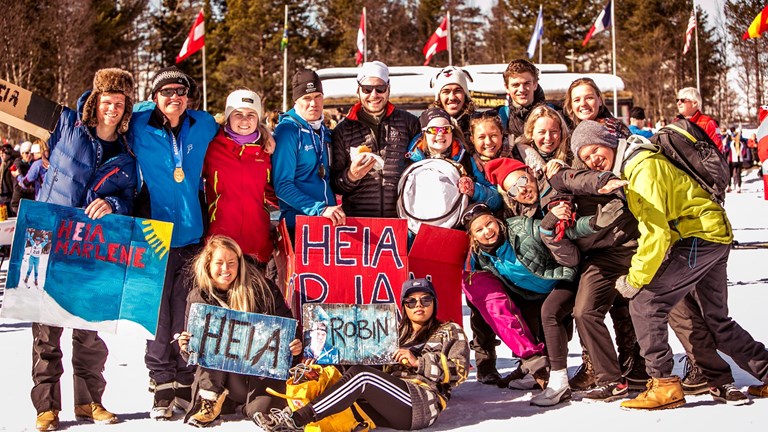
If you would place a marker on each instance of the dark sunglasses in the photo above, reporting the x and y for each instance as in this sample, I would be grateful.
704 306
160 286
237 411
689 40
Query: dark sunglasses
491 113
168 92
515 189
425 301
368 89
434 130
682 100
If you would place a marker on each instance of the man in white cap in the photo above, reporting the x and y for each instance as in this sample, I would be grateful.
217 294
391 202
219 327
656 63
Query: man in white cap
452 95
369 147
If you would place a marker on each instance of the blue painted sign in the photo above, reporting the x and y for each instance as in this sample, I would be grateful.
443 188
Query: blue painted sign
350 334
71 271
241 342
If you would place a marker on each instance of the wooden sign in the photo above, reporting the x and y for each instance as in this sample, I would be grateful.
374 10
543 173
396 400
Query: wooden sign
350 334
26 111
241 342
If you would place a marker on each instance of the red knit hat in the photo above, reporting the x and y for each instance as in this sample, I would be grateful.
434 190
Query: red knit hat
497 170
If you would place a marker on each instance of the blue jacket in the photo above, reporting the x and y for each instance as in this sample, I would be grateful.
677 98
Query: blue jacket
299 153
171 201
76 158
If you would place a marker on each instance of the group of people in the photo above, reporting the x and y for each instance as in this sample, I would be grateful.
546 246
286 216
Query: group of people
570 217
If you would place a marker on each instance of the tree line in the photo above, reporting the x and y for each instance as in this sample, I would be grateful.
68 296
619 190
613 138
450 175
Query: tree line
53 47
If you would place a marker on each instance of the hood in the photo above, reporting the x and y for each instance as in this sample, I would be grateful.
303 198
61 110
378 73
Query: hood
630 151
81 104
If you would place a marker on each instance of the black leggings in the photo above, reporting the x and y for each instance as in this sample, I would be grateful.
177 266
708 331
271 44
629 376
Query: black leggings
736 173
386 399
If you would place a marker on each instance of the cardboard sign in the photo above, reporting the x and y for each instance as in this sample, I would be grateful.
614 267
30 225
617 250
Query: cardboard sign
241 342
7 228
438 254
71 271
362 262
26 111
350 334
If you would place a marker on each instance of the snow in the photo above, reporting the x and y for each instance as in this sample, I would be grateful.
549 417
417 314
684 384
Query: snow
474 407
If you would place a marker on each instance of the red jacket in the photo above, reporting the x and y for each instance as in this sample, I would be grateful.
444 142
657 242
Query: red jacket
709 126
237 188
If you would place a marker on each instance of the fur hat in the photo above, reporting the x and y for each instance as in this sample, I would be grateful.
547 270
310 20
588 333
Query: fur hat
498 169
450 75
242 98
111 80
305 82
590 132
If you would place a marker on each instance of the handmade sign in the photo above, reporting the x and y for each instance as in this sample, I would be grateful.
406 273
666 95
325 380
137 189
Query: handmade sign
350 334
362 262
26 111
241 342
71 271
443 268
7 228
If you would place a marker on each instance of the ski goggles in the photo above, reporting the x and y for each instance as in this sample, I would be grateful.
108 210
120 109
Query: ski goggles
434 130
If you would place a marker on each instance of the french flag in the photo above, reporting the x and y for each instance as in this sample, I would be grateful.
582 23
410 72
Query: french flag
602 22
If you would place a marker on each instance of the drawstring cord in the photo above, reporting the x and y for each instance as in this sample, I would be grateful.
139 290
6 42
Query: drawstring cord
692 254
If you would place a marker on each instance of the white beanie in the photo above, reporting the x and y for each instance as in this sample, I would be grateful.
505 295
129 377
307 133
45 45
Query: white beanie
375 69
242 99
450 75
25 146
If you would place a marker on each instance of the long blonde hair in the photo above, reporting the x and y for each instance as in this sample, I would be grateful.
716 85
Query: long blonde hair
249 291
545 111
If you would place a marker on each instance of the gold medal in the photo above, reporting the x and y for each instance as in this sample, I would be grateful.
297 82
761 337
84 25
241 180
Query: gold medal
178 175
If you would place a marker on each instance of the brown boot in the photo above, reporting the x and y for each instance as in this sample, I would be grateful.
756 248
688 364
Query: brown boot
47 421
759 390
208 407
94 412
662 393
584 379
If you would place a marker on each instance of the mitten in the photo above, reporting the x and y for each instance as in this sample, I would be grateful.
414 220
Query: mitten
624 288
467 186
607 214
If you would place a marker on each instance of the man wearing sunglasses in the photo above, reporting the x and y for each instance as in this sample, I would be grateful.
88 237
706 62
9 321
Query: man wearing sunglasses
170 142
689 106
377 134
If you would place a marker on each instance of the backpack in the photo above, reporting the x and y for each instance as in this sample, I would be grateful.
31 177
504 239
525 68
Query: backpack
687 146
435 199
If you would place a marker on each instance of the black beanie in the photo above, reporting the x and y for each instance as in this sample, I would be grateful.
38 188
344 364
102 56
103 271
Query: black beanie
305 82
432 113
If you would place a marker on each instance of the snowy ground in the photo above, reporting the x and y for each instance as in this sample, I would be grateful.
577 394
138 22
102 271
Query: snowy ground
474 406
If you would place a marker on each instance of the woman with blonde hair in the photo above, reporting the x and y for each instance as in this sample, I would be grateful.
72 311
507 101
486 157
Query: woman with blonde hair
223 277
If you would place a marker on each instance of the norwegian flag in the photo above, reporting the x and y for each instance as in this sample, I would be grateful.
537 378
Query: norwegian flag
689 31
360 56
437 42
602 22
196 39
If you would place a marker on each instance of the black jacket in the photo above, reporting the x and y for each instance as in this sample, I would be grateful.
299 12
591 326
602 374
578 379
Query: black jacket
375 195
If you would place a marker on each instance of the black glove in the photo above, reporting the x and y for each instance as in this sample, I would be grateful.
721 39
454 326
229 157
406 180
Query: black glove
607 214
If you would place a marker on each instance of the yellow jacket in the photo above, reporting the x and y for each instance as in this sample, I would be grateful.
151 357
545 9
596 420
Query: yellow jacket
669 205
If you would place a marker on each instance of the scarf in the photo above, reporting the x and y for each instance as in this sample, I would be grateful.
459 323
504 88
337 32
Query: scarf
242 139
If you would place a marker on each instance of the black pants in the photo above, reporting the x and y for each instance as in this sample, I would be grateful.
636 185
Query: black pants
89 354
736 173
383 397
556 318
162 358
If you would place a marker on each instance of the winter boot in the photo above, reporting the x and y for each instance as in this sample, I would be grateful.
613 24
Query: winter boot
485 363
182 396
209 404
278 420
760 391
162 406
584 379
694 381
94 412
47 421
661 393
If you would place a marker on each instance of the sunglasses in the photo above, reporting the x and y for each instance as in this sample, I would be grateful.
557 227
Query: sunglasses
475 211
425 301
491 113
515 189
168 92
434 130
682 100
368 89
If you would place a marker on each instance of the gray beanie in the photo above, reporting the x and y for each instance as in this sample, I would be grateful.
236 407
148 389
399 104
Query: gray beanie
591 132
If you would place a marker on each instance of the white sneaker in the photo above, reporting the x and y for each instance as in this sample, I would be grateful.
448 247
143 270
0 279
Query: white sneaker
551 397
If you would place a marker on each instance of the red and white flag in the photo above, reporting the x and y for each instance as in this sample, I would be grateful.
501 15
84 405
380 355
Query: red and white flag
196 39
689 31
437 42
360 56
602 22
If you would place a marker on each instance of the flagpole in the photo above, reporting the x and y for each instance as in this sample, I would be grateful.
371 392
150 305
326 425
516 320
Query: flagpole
450 53
285 65
696 35
613 43
205 87
541 12
365 35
